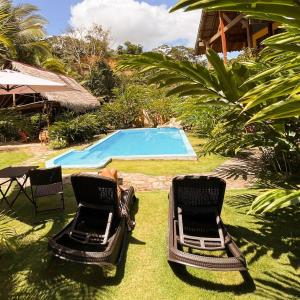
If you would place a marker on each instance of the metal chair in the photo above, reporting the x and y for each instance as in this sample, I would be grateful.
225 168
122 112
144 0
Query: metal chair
46 182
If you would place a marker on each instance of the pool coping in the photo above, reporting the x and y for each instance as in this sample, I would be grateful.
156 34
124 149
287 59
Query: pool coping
190 156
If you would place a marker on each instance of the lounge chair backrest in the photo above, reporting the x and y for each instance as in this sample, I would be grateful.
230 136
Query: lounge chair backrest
45 176
192 193
95 190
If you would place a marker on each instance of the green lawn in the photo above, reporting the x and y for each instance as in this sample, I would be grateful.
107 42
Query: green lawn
10 158
204 164
271 246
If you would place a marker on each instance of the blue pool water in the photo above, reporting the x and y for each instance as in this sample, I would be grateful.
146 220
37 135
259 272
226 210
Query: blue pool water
150 143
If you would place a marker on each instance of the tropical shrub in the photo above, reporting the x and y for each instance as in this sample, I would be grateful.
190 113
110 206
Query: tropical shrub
102 81
79 129
134 101
125 110
200 119
10 124
8 131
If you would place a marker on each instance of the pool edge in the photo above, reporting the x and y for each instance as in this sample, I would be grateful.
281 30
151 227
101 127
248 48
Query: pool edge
190 156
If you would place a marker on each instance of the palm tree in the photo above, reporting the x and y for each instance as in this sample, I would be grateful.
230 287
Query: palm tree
22 36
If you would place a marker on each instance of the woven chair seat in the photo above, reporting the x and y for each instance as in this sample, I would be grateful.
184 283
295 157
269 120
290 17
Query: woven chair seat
47 190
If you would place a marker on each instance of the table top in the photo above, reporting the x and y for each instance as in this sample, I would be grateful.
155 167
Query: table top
14 172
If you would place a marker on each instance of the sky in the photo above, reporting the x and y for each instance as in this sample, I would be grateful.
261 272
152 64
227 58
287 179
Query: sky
145 22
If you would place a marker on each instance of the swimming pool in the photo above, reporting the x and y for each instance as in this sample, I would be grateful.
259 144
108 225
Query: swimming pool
150 143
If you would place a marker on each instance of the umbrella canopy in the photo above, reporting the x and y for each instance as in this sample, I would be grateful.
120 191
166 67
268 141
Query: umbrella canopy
12 82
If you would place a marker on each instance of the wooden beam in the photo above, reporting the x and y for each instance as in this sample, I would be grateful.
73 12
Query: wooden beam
226 28
223 37
25 106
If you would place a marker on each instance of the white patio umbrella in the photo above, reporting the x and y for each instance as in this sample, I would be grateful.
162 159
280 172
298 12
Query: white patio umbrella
12 82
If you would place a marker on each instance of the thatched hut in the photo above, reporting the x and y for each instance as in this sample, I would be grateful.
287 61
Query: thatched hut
78 100
231 31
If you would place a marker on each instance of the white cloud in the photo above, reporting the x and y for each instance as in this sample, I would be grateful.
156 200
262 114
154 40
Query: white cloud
138 22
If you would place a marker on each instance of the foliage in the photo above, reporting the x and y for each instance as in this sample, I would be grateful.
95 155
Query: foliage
222 86
22 33
275 199
22 36
7 233
179 53
262 92
124 111
10 124
200 119
80 48
276 91
54 65
129 48
135 102
75 130
102 81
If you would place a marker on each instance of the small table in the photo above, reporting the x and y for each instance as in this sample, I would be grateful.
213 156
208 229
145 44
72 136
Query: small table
15 174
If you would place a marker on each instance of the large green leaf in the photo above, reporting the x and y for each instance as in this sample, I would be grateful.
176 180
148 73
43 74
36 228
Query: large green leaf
275 199
279 110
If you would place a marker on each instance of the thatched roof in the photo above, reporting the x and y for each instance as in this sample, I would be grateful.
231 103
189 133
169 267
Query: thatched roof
209 23
79 100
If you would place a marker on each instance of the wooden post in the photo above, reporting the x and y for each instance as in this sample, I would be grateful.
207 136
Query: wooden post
270 29
223 37
249 34
14 100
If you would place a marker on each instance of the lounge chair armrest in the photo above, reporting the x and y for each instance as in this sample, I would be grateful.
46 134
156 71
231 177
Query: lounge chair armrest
220 230
180 225
107 229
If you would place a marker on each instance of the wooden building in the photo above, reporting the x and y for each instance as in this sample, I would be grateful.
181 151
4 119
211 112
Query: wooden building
231 31
78 100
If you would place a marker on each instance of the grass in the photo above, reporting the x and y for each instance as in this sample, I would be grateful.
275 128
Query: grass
15 157
204 164
271 246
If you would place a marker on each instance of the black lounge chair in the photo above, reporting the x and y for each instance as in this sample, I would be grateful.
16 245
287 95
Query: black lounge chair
99 230
195 225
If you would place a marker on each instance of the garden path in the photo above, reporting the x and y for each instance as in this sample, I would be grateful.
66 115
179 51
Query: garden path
238 173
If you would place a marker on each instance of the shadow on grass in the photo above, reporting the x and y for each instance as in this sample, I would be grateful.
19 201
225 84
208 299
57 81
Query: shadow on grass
241 168
279 286
247 286
277 232
33 273
254 169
